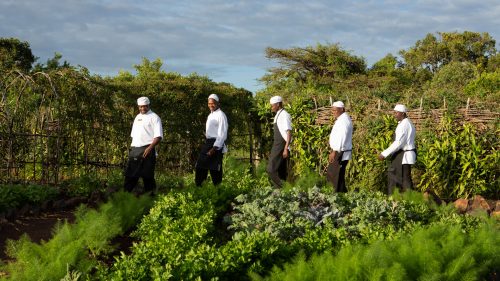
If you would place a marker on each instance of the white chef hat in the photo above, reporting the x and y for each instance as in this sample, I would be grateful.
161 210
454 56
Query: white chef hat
338 104
400 108
214 97
143 101
275 99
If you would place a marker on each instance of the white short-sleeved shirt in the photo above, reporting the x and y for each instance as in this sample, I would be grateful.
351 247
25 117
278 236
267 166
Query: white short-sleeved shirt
216 127
341 136
146 127
405 140
284 122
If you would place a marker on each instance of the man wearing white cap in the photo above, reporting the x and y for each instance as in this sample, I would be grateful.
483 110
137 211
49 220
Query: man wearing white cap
277 167
341 145
210 158
146 133
402 152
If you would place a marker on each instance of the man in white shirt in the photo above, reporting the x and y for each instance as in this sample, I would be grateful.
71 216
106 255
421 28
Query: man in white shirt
341 145
210 158
277 167
146 133
402 152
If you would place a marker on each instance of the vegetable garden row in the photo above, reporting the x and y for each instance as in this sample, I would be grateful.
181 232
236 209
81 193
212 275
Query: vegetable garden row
244 229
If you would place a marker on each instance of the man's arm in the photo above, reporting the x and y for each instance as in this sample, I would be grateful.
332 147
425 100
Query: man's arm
288 139
401 132
151 146
221 135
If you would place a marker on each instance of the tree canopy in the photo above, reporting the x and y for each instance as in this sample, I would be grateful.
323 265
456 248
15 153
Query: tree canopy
15 54
323 63
433 51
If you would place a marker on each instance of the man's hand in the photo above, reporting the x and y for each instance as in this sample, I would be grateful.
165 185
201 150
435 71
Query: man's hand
332 156
381 157
212 151
285 153
147 151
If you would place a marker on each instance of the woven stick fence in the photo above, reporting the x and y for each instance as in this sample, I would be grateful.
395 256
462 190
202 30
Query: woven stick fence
420 116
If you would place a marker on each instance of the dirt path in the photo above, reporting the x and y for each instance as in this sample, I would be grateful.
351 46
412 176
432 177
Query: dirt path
36 227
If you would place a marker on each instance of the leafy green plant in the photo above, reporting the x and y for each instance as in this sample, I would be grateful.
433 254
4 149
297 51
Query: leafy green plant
292 214
81 186
14 196
486 88
364 171
460 163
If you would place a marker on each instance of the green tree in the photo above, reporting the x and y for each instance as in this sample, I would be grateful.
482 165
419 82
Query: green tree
469 46
323 63
385 66
427 54
493 63
15 54
53 63
433 52
486 89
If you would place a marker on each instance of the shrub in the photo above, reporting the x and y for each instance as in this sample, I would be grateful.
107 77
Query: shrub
14 196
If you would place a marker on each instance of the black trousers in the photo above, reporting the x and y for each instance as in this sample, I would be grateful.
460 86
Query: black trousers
201 175
138 167
207 163
131 183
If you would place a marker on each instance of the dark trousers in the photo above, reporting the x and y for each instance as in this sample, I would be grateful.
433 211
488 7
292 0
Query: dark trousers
201 175
335 174
398 174
131 183
138 167
278 171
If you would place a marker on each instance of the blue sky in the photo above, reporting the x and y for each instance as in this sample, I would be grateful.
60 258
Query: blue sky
226 40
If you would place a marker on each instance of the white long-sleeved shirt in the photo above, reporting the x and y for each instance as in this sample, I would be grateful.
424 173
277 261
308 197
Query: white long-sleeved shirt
341 136
216 127
284 122
405 140
146 127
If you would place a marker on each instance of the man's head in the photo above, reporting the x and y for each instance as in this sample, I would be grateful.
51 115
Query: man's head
213 102
400 112
276 103
337 108
143 103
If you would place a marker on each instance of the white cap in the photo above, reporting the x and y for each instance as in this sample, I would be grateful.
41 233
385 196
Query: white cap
275 99
400 108
214 97
143 101
338 104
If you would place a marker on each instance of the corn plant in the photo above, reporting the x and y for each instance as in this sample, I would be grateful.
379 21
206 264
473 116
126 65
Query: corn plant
460 162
